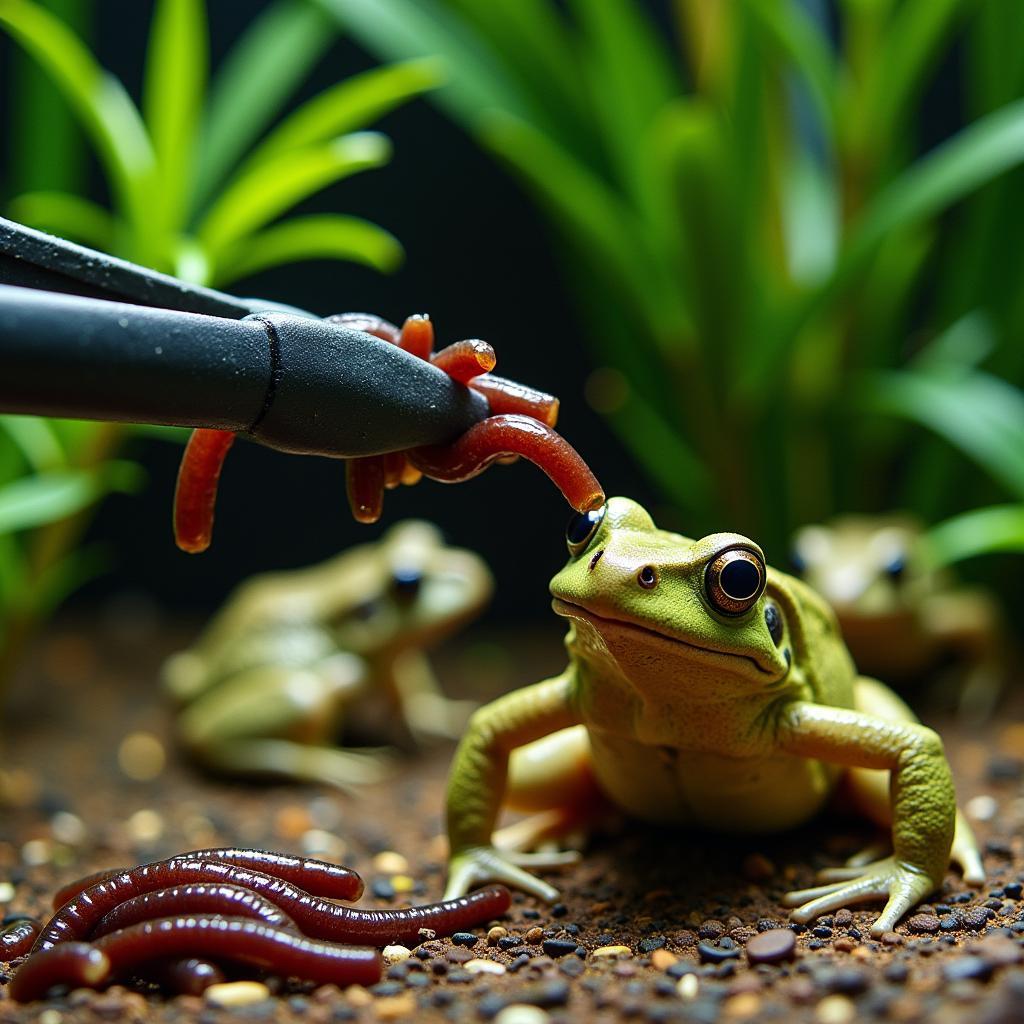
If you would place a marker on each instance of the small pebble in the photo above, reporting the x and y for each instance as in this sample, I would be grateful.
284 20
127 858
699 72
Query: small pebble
382 889
835 1010
558 947
495 933
612 951
141 756
521 1013
975 919
981 808
757 868
923 923
662 959
465 939
742 1006
535 936
843 918
401 1007
715 954
388 862
479 966
650 944
967 967
688 987
396 954
772 947
403 883
7 892
237 993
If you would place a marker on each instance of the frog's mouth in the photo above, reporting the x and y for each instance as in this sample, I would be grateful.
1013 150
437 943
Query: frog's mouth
569 610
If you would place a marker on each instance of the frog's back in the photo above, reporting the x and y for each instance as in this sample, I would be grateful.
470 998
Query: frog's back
819 651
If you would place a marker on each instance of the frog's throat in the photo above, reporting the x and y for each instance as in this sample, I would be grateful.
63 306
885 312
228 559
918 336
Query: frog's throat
569 610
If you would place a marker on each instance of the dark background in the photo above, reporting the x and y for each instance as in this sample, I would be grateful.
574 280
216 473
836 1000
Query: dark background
480 261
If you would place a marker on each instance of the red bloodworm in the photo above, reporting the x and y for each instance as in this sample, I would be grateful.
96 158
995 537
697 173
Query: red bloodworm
394 469
369 323
191 977
318 877
75 964
226 938
506 396
17 937
497 436
195 496
364 484
417 337
203 898
465 360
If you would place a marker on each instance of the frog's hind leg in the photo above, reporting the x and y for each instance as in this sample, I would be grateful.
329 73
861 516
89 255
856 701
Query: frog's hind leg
869 789
553 778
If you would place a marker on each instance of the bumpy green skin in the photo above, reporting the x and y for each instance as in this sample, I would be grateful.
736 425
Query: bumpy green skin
294 656
698 718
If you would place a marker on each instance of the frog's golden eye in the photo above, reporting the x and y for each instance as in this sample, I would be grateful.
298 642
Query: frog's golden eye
734 580
580 530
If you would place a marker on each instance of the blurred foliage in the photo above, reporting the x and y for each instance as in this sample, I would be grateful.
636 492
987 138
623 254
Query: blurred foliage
796 303
198 178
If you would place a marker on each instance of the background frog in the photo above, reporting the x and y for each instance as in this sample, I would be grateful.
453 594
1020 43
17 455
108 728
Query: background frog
900 618
293 657
703 689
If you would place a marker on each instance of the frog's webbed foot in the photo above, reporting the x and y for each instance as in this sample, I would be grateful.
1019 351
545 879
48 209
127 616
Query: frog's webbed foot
903 885
480 864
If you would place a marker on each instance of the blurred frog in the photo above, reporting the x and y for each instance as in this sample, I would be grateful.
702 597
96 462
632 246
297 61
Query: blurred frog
295 660
900 618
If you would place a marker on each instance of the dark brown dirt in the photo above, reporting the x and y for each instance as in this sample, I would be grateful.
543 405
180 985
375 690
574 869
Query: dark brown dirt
69 809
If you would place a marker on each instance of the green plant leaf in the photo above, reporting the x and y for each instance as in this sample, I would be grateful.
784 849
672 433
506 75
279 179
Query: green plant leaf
964 344
260 72
318 236
47 497
66 215
35 439
478 81
351 104
268 190
106 112
975 156
977 413
982 531
172 101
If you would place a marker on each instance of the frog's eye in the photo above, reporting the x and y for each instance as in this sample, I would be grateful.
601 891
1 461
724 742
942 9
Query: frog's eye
896 567
773 620
405 584
581 528
734 581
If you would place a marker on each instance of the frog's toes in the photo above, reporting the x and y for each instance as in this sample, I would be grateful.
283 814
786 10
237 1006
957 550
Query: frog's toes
545 858
823 899
871 853
475 866
968 860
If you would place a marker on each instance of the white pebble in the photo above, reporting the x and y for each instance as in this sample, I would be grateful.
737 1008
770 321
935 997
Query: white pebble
688 987
479 966
522 1013
37 852
835 1010
68 828
982 808
145 826
237 993
50 1017
395 954
6 892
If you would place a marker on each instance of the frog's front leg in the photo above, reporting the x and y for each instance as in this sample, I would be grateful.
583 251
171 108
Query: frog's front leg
428 714
479 777
923 806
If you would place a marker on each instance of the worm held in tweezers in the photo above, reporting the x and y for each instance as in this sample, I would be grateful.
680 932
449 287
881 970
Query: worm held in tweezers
496 436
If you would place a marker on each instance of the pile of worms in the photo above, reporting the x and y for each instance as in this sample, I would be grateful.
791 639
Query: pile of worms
521 423
181 923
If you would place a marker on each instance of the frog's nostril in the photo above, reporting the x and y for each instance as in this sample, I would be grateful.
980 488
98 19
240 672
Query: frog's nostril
647 577
595 560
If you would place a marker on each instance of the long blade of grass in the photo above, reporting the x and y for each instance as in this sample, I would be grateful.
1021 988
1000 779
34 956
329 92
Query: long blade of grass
66 215
349 105
36 441
318 236
982 531
172 101
975 412
264 67
478 81
593 216
105 110
275 186
975 156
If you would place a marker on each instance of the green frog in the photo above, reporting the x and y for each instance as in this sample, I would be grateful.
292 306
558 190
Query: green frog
294 657
703 689
900 617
